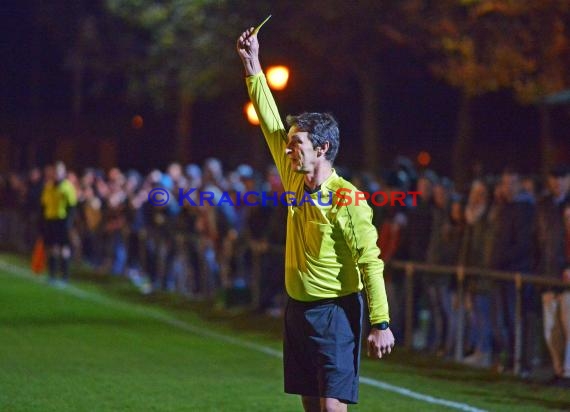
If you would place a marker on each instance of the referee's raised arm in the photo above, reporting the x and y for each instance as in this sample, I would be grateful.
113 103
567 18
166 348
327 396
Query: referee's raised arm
264 103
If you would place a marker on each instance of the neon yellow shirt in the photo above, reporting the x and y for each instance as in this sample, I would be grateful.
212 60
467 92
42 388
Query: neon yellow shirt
331 248
57 198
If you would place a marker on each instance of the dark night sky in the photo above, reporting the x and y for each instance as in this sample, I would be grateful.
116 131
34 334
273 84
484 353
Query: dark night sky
418 111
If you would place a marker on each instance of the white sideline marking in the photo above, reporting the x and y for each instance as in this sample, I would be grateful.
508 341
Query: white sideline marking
93 297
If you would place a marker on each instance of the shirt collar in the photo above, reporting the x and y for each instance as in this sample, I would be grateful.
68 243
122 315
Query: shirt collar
325 184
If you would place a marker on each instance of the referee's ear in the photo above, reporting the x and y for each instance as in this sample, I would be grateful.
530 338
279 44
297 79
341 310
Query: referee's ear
323 149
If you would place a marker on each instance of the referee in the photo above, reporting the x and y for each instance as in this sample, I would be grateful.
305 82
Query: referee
59 200
330 254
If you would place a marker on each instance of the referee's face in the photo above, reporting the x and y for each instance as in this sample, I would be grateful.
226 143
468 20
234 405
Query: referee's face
300 151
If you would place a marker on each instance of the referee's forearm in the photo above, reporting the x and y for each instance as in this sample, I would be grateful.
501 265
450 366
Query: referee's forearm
373 280
270 121
251 66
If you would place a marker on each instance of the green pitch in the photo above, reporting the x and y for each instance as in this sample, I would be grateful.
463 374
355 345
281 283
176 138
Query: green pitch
99 346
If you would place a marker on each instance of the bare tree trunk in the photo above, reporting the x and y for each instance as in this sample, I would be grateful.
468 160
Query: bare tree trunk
32 153
370 120
546 146
463 144
35 69
183 129
77 83
6 153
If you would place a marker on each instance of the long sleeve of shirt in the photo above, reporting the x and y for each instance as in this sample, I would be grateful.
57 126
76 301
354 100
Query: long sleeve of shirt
361 237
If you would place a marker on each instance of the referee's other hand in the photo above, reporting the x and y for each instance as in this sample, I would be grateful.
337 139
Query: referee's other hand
380 343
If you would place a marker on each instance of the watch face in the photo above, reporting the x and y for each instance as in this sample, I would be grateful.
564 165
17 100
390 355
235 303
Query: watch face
382 325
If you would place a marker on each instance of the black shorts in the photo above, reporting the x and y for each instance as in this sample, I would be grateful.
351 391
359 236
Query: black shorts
56 232
321 350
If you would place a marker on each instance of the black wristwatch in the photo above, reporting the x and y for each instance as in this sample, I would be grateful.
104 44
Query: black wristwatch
381 326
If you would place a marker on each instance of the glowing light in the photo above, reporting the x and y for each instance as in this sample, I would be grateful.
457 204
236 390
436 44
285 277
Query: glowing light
251 114
424 158
137 122
277 77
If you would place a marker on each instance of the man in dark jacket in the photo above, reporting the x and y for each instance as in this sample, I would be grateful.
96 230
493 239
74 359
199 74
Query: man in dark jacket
553 262
512 252
513 244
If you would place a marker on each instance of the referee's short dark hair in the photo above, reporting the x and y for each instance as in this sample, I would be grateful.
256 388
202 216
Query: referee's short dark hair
322 127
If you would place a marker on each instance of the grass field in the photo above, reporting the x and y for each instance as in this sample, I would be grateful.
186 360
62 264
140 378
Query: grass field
98 345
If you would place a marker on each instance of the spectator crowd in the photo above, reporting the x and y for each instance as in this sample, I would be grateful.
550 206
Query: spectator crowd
508 222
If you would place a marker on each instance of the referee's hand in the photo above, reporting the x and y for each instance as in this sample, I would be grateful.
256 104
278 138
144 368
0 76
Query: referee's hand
380 342
248 45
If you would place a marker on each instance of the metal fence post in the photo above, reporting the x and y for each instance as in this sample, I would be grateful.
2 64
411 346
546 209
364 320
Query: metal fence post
518 324
460 314
409 332
256 278
205 288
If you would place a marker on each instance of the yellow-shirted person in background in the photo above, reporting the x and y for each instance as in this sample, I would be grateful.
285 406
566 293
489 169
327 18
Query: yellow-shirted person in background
59 200
330 254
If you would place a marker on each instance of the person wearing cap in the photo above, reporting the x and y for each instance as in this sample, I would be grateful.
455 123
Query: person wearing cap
554 262
330 254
